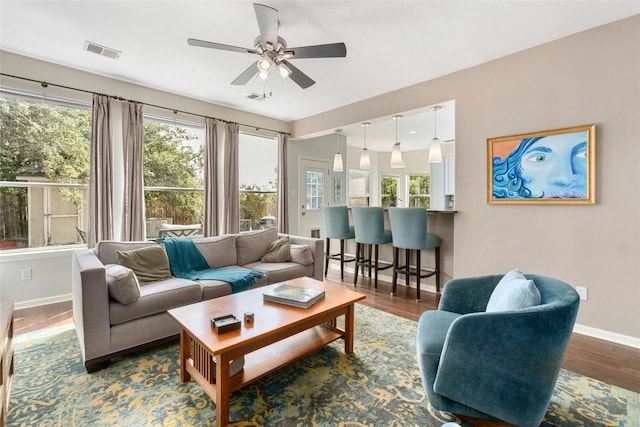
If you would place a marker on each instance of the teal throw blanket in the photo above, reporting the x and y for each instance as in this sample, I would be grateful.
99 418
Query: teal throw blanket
187 262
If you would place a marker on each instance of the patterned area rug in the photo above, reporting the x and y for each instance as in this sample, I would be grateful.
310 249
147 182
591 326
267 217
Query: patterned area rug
378 385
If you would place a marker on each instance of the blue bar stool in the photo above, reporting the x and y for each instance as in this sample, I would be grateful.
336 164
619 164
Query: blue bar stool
368 223
336 222
409 228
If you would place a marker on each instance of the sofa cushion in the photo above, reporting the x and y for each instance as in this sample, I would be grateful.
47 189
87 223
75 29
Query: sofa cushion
301 254
218 251
122 283
278 251
252 246
155 298
513 292
150 264
276 272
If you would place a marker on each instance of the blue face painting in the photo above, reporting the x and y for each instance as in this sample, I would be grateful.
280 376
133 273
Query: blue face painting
545 167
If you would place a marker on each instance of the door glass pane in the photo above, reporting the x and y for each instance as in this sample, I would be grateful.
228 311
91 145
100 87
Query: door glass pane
314 188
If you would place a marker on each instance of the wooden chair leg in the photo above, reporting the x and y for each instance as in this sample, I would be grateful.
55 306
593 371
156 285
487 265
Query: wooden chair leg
407 267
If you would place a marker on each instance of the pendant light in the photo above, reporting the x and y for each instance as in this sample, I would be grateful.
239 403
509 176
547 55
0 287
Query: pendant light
435 151
396 153
337 159
364 155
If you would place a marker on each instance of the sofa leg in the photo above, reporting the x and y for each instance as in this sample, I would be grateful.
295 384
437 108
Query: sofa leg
93 366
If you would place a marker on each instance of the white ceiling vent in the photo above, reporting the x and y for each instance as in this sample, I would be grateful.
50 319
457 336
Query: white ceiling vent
101 50
255 97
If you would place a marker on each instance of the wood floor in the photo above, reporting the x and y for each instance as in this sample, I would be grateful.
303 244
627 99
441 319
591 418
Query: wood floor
606 361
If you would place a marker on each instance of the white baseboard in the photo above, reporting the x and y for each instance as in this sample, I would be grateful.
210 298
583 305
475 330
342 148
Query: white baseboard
42 301
607 336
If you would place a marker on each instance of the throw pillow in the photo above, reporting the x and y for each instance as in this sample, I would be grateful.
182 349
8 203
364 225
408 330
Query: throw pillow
253 245
149 264
513 292
122 283
278 251
301 254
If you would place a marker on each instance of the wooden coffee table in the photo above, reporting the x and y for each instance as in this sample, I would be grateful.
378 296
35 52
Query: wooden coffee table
279 335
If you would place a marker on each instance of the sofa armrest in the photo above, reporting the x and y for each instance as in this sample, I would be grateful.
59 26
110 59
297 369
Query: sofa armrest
90 304
468 295
317 248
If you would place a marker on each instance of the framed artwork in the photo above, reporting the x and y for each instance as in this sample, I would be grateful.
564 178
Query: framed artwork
549 167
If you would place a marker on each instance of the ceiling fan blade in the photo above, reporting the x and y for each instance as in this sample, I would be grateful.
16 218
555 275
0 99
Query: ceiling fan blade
219 46
268 23
246 75
333 50
300 78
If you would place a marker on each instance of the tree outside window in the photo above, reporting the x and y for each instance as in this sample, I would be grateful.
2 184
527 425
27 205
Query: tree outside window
419 191
389 191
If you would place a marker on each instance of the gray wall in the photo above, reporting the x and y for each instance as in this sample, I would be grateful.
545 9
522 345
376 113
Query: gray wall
590 77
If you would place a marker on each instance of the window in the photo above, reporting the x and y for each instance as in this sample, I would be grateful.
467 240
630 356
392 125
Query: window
44 170
359 187
315 188
419 191
258 178
389 191
173 164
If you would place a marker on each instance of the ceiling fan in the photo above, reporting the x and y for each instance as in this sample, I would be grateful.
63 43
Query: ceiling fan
273 52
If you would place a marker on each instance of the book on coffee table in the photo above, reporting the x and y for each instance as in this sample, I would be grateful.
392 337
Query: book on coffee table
294 295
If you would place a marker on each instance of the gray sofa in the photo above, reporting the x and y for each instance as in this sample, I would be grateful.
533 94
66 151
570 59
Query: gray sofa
107 328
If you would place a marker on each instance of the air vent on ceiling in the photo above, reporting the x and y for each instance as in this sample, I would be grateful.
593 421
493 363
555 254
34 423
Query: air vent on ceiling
101 50
255 97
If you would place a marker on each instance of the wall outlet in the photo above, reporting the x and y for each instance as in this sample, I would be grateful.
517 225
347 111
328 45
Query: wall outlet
582 291
25 274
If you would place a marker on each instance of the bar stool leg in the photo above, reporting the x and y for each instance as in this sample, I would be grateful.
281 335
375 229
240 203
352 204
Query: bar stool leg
394 280
341 259
369 258
327 252
358 259
375 281
418 275
438 270
407 267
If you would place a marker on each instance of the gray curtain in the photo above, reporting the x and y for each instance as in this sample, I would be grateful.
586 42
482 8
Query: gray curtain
283 214
211 179
133 216
100 202
231 185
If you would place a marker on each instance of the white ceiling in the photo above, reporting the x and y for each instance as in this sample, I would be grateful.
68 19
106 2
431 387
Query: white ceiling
390 44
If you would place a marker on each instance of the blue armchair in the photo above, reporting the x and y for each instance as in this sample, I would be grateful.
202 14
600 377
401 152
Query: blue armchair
499 365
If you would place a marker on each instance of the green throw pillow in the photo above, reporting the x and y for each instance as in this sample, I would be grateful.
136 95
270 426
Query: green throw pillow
278 251
150 264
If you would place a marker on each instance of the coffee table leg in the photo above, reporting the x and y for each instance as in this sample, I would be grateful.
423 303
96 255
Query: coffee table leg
349 326
185 354
222 389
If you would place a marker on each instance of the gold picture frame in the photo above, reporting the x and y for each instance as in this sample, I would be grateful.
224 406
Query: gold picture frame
548 167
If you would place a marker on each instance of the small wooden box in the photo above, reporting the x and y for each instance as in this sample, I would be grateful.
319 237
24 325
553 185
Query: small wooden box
225 323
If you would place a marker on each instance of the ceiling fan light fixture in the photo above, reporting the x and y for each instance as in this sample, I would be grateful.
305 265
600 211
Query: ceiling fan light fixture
264 64
284 70
288 54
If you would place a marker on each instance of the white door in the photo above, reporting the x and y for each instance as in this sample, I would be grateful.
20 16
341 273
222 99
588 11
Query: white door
314 194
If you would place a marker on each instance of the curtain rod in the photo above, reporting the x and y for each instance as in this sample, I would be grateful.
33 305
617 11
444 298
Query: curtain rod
119 98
